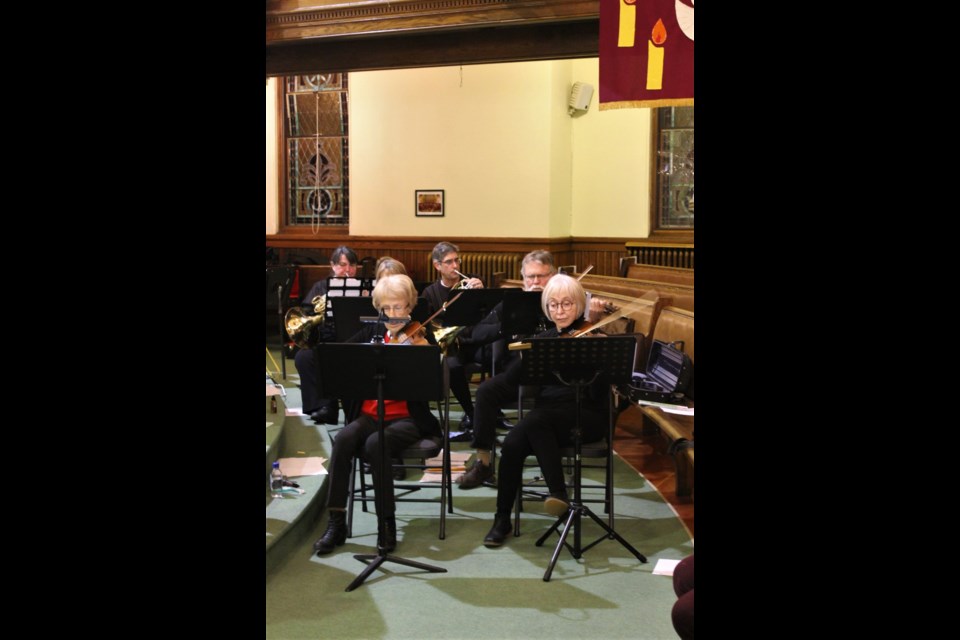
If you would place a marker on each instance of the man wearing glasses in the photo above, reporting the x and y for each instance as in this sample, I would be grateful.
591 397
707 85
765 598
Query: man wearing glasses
446 260
536 268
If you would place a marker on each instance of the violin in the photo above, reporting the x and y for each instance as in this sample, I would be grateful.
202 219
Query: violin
608 307
415 332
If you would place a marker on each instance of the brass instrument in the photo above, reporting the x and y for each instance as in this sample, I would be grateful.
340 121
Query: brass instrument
463 284
299 325
445 336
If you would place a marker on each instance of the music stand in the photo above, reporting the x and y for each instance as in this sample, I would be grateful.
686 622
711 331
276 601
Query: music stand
471 307
522 313
362 371
279 280
578 363
350 313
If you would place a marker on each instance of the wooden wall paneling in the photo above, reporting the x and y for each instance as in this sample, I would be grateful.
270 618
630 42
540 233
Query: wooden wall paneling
604 253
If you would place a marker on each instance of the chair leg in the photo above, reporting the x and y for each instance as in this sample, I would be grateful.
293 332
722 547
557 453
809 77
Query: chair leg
353 476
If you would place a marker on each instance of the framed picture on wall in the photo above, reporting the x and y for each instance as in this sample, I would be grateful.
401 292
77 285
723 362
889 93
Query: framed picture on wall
429 202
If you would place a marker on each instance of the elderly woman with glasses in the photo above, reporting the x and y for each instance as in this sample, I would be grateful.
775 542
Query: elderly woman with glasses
547 428
404 423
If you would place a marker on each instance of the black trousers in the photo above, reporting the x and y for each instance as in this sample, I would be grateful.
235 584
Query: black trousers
362 438
310 390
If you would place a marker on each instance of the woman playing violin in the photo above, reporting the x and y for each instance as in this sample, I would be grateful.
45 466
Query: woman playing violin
405 423
547 428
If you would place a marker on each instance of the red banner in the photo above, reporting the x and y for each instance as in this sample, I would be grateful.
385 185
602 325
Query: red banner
646 53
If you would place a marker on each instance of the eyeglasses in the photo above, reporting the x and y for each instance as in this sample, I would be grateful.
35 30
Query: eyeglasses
449 261
536 276
566 305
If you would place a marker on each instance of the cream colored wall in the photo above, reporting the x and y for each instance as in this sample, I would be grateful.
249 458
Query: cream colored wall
482 133
611 166
272 204
561 152
498 140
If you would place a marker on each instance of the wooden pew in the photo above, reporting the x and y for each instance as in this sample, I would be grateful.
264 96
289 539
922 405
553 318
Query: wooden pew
674 295
310 274
654 273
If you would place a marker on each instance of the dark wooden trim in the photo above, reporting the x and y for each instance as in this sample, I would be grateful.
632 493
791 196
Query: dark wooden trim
286 21
667 237
575 39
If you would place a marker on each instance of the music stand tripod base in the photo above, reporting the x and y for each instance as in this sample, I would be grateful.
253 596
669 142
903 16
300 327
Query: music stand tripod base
578 363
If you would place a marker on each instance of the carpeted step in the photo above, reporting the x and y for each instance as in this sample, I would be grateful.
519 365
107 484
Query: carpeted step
291 518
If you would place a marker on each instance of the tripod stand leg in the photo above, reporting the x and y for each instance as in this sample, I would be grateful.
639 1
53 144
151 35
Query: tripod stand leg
613 534
563 538
553 527
379 559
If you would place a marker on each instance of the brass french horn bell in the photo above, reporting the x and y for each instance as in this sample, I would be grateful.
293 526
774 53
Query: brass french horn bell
445 336
299 325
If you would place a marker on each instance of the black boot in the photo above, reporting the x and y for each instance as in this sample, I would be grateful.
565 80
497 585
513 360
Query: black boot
499 531
335 535
390 543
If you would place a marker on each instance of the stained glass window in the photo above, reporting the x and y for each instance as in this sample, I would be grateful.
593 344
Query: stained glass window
674 160
316 128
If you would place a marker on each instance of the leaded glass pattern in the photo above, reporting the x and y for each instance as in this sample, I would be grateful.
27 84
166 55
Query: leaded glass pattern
675 168
316 146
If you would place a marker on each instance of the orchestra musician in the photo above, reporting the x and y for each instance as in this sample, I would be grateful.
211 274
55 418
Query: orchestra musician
405 423
446 260
547 427
536 268
343 262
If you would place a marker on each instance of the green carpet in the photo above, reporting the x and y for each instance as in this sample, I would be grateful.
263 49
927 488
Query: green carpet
486 593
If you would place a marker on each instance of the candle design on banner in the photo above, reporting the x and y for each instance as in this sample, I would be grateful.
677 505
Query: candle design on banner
655 56
628 21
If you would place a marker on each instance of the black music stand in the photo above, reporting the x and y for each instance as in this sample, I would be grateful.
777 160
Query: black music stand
279 280
578 363
350 313
362 371
522 313
471 307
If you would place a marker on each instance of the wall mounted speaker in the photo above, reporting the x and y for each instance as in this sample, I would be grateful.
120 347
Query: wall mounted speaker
580 96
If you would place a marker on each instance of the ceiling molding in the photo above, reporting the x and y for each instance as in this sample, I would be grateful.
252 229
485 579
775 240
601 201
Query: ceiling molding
287 22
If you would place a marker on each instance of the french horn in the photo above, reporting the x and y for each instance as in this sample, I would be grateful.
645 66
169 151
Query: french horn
299 325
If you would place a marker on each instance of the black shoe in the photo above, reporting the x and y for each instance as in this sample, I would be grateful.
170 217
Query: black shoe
503 423
465 436
399 473
466 424
390 524
326 414
556 504
499 531
476 475
334 536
